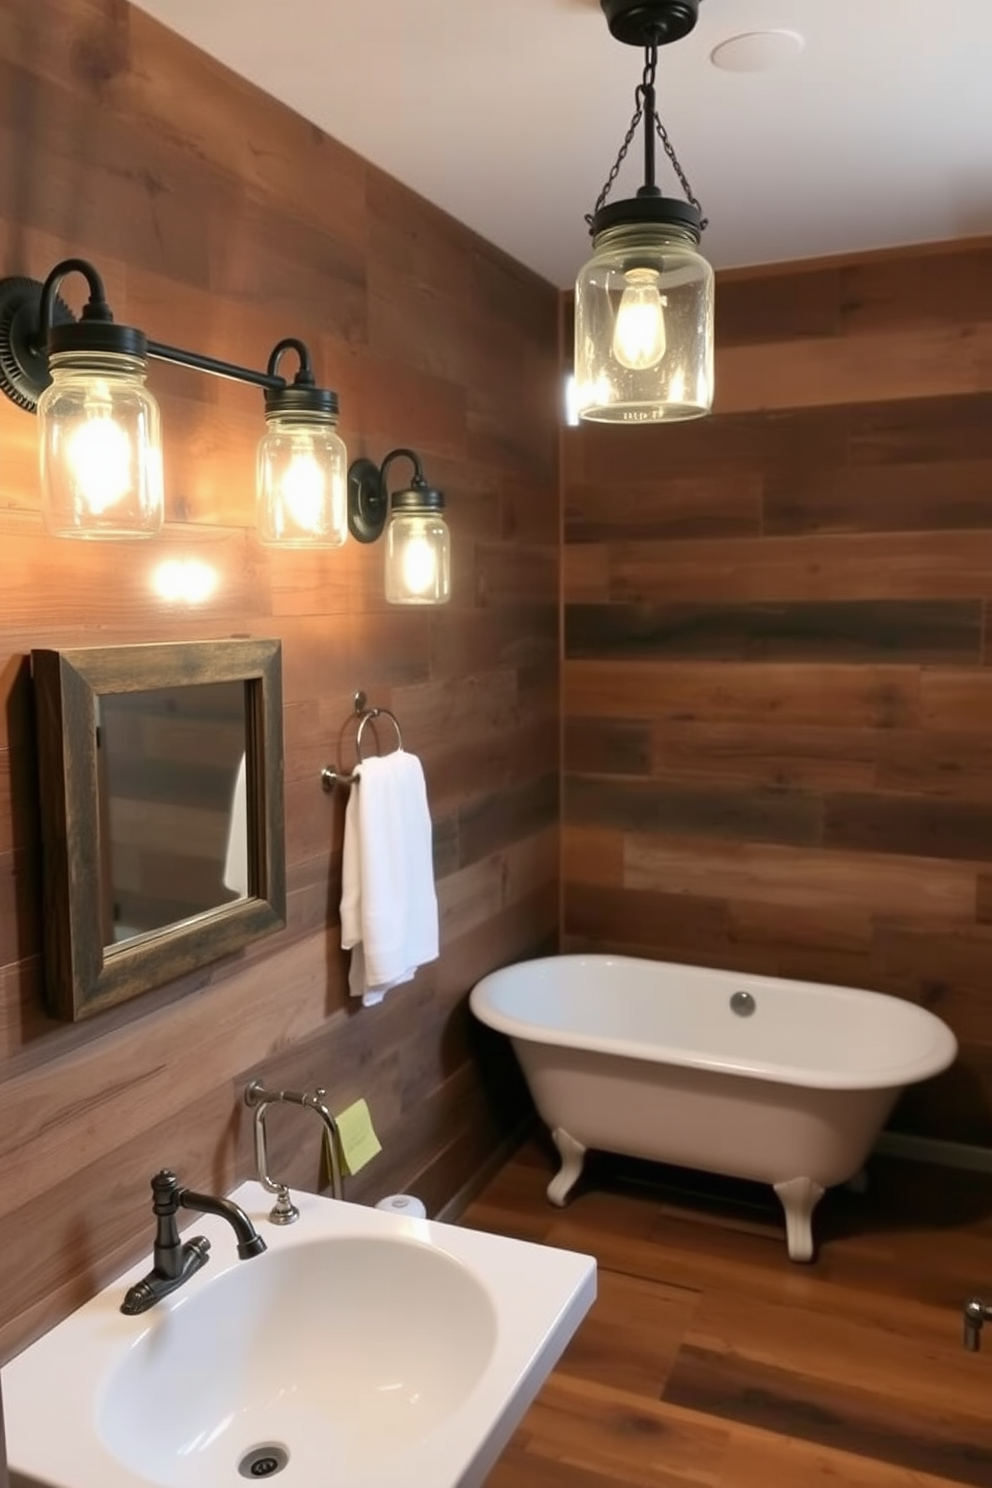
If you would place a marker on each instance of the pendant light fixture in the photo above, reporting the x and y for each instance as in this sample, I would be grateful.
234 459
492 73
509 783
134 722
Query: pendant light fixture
100 432
418 544
644 301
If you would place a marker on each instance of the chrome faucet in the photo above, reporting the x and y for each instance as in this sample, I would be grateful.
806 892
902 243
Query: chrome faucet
284 1211
976 1312
176 1261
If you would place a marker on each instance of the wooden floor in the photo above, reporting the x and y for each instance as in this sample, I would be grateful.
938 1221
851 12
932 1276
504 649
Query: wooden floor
710 1359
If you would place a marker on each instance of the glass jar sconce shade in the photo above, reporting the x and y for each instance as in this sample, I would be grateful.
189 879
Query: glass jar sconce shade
100 437
302 462
100 429
418 544
418 550
302 483
100 448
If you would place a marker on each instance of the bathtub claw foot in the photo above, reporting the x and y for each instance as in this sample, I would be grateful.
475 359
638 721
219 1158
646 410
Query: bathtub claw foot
573 1155
799 1197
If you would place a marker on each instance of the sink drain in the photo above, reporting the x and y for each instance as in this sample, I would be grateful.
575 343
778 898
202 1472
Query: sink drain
263 1462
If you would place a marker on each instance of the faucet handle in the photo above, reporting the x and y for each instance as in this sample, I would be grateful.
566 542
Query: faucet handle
165 1192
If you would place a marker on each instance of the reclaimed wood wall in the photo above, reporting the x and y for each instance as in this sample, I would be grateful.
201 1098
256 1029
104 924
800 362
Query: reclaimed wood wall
223 222
778 657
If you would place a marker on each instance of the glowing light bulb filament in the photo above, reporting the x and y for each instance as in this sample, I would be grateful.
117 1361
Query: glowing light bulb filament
419 565
98 453
639 332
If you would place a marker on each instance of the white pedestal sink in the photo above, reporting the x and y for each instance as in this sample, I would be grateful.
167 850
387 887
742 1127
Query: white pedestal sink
363 1349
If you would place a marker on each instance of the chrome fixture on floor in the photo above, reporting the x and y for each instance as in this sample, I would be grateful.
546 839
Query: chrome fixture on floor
284 1211
976 1312
176 1261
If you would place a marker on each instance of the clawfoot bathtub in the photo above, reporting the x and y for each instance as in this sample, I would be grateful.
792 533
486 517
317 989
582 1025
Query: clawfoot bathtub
782 1082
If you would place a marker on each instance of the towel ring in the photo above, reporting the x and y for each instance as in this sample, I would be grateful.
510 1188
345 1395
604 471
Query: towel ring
329 776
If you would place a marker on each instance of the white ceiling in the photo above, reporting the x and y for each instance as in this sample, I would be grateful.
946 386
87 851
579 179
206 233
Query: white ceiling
509 113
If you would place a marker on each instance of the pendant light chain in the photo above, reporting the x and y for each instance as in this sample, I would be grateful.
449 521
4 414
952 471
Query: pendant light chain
645 90
618 163
691 197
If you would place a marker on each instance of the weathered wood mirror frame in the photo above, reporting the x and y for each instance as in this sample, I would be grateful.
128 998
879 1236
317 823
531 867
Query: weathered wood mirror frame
82 975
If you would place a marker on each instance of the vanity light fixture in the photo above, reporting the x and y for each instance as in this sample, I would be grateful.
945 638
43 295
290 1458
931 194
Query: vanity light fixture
100 435
644 301
418 544
302 461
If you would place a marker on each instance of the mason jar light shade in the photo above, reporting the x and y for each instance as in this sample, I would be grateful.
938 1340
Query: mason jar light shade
644 326
418 550
302 481
101 447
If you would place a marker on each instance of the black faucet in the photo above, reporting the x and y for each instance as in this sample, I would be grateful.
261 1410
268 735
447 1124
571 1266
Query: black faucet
176 1262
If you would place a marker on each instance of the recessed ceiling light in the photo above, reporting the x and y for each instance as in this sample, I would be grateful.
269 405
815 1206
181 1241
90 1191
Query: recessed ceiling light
757 51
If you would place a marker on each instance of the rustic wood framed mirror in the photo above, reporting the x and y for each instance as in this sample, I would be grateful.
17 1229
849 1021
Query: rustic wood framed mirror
161 784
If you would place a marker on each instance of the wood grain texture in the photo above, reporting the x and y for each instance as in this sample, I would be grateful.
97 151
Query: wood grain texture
223 222
924 631
707 1359
777 690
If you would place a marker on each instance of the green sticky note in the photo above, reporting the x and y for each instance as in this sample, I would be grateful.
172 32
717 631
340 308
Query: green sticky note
359 1143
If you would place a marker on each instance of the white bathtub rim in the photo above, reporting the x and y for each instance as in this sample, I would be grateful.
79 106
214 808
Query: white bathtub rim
938 1056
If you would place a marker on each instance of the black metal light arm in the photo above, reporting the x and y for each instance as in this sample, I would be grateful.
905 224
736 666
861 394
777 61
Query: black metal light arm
396 454
96 307
368 493
270 379
180 357
35 321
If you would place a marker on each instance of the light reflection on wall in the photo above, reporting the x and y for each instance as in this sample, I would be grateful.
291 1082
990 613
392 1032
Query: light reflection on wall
185 581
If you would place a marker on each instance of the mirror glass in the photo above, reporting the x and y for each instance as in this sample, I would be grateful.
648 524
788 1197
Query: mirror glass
161 785
173 819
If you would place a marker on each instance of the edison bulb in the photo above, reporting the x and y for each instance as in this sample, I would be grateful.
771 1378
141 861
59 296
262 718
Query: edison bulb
302 480
101 447
302 484
98 454
639 334
419 565
418 555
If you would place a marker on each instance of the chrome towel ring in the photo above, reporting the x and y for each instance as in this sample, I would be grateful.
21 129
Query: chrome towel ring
329 775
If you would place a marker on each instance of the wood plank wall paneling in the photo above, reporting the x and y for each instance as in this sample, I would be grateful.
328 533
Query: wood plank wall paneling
196 197
777 684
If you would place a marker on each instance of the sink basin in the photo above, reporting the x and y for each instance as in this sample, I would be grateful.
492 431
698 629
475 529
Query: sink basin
362 1349
343 1344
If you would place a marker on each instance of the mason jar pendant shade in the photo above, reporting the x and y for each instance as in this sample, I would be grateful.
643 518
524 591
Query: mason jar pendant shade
644 327
644 301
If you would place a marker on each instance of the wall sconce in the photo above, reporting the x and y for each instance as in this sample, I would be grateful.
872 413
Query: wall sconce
418 544
644 301
100 434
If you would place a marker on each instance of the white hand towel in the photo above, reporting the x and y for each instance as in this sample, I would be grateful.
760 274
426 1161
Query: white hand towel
389 918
